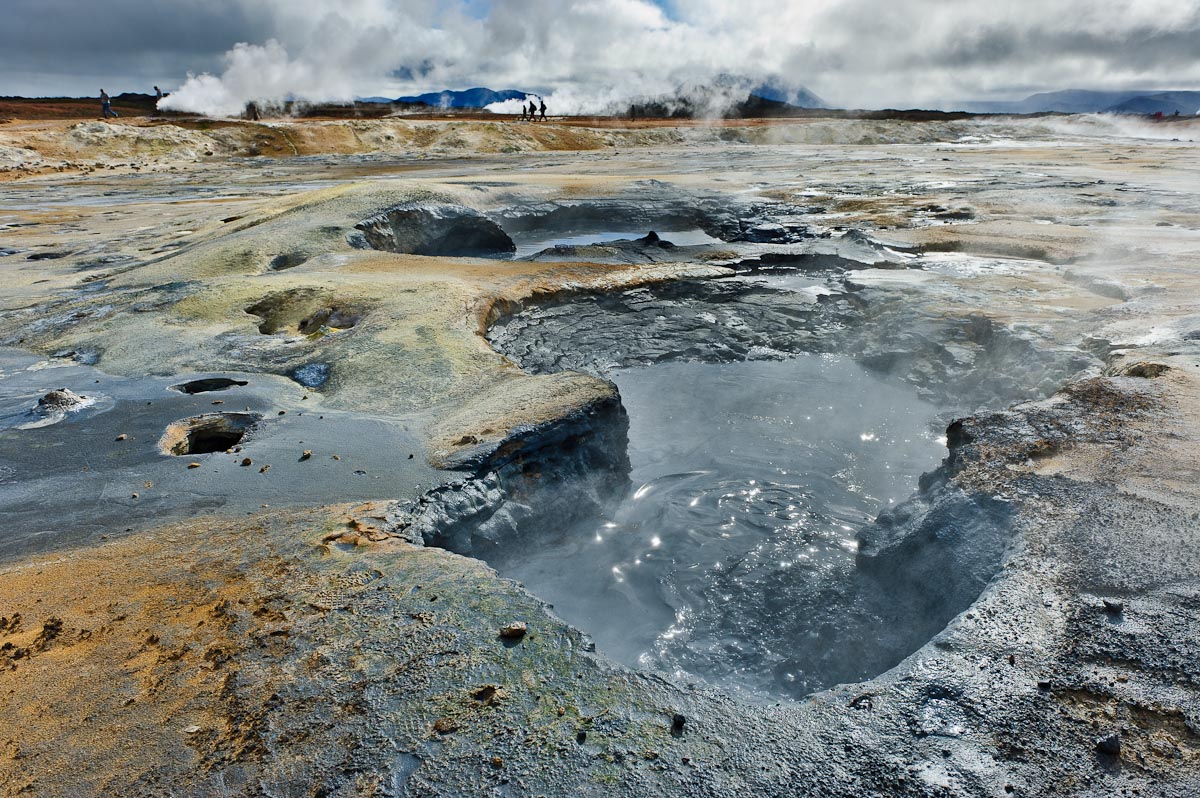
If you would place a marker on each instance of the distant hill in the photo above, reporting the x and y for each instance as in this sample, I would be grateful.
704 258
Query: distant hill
752 107
1079 101
798 96
1167 103
470 98
1071 101
730 96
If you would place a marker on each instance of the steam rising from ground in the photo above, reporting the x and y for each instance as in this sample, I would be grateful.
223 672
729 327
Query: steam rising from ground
590 55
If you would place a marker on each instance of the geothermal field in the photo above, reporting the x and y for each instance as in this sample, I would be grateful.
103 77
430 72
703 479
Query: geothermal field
455 457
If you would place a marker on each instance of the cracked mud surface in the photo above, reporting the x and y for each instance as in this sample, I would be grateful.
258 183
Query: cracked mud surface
311 648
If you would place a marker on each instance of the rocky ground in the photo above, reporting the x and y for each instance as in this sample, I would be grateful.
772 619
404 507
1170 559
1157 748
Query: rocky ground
287 631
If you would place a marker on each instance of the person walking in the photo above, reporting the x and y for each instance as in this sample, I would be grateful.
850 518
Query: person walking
106 106
543 109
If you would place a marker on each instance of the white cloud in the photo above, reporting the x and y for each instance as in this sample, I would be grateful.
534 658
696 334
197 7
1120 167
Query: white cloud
587 54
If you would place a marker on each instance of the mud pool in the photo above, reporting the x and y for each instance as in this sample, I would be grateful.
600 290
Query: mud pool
749 483
102 466
533 242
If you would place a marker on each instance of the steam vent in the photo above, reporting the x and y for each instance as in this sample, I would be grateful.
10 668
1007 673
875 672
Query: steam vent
828 455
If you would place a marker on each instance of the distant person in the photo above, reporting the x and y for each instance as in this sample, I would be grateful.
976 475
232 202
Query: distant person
106 106
528 110
543 110
158 95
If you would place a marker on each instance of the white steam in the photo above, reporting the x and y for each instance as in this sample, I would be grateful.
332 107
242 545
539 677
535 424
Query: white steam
261 74
590 56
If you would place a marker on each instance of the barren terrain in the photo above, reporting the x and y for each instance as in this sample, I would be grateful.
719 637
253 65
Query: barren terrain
178 621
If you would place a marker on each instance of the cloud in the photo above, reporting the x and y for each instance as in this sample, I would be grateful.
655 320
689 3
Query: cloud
586 55
56 47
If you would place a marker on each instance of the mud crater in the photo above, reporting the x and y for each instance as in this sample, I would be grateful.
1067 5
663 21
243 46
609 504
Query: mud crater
434 229
304 312
207 434
808 578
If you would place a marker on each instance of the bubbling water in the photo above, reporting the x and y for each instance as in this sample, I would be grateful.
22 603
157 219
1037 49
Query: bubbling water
749 482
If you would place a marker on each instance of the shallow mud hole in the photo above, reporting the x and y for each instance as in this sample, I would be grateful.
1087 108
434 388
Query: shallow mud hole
304 312
207 434
209 385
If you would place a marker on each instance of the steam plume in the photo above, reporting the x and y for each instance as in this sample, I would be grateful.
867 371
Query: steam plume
587 55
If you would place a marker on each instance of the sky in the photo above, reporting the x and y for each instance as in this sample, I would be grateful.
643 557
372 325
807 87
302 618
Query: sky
591 54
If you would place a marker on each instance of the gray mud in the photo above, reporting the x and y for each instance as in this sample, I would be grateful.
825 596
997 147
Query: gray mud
960 363
100 469
730 556
771 424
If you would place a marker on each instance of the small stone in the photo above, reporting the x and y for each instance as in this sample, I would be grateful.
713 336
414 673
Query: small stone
445 726
246 461
193 465
1113 607
1110 745
514 631
307 455
581 737
122 437
264 469
134 496
218 401
497 762
283 412
193 729
677 723
411 456
336 457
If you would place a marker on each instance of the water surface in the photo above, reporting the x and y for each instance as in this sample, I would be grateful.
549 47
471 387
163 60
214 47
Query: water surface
749 482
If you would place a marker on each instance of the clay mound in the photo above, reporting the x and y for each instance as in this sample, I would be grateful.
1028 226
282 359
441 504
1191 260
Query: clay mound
443 230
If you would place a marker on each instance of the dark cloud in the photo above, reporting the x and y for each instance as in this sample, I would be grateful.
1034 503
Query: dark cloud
853 52
65 46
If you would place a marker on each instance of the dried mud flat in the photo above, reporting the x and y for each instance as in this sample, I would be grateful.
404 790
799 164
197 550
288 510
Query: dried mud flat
175 620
